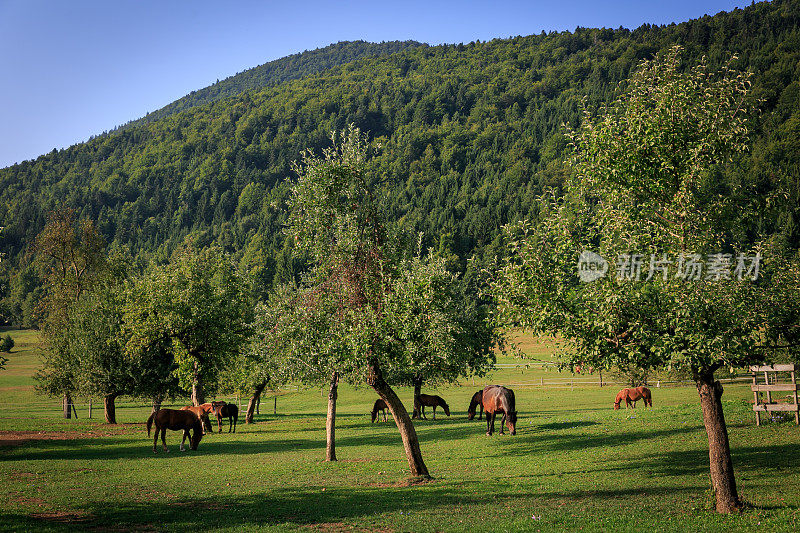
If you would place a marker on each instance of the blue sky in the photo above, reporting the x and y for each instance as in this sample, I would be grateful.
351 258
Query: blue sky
72 69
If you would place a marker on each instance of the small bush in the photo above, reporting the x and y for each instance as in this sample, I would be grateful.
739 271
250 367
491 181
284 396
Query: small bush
6 343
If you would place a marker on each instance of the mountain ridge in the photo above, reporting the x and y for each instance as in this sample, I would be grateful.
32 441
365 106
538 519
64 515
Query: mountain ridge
471 135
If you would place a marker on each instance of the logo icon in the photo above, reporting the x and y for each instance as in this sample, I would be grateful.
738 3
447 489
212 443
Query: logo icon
591 266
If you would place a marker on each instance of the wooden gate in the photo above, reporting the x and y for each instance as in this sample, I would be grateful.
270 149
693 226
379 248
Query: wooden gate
771 385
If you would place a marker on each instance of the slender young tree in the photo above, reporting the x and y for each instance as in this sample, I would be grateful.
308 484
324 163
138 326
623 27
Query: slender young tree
336 220
440 329
670 285
313 349
96 343
69 255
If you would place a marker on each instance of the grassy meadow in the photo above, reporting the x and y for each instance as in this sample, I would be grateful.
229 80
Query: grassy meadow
575 464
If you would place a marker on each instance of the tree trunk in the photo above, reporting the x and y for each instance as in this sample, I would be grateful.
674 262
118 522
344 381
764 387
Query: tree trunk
156 404
330 423
719 452
110 408
417 402
401 418
66 404
198 394
254 399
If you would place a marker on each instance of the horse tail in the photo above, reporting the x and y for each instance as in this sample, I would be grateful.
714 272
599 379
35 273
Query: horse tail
150 423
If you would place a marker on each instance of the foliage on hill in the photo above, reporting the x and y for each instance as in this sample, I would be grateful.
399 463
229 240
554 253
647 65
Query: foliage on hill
471 135
288 68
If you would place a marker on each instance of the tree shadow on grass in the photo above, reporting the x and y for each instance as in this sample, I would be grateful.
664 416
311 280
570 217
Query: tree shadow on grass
132 448
746 460
313 505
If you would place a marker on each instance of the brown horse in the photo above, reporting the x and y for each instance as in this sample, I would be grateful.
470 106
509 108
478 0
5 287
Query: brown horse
226 410
380 405
633 395
202 412
430 400
474 403
176 420
498 399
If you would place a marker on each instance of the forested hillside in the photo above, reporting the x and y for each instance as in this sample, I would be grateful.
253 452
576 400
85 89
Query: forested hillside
288 68
471 134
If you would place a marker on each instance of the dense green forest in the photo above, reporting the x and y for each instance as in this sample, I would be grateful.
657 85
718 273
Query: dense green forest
470 135
288 68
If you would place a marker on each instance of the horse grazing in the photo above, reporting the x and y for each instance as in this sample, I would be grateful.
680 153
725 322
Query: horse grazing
633 395
202 413
498 399
229 410
474 403
380 405
176 420
430 400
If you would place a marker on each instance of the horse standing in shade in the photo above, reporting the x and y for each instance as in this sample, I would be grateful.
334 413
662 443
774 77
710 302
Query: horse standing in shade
474 403
498 399
431 400
176 420
202 412
226 410
380 405
633 395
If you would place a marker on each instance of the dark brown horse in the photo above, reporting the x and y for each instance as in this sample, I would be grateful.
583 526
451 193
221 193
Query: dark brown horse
226 410
633 395
430 400
474 403
202 412
380 405
498 399
176 420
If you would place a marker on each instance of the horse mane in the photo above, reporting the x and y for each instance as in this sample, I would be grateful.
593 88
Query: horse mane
512 401
444 405
375 408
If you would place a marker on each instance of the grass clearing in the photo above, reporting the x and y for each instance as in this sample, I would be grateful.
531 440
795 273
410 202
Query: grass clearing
574 464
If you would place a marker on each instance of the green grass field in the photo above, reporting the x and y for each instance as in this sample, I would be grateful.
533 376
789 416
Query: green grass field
575 464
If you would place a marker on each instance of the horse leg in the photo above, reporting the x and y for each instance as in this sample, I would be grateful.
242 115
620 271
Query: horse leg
155 440
434 412
489 425
422 412
480 416
502 424
164 439
185 434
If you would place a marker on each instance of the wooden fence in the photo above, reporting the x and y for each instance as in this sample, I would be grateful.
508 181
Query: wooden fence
770 385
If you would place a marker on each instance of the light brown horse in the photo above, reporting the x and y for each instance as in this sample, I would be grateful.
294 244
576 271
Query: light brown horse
633 395
474 403
380 405
226 410
176 420
202 412
431 400
498 399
